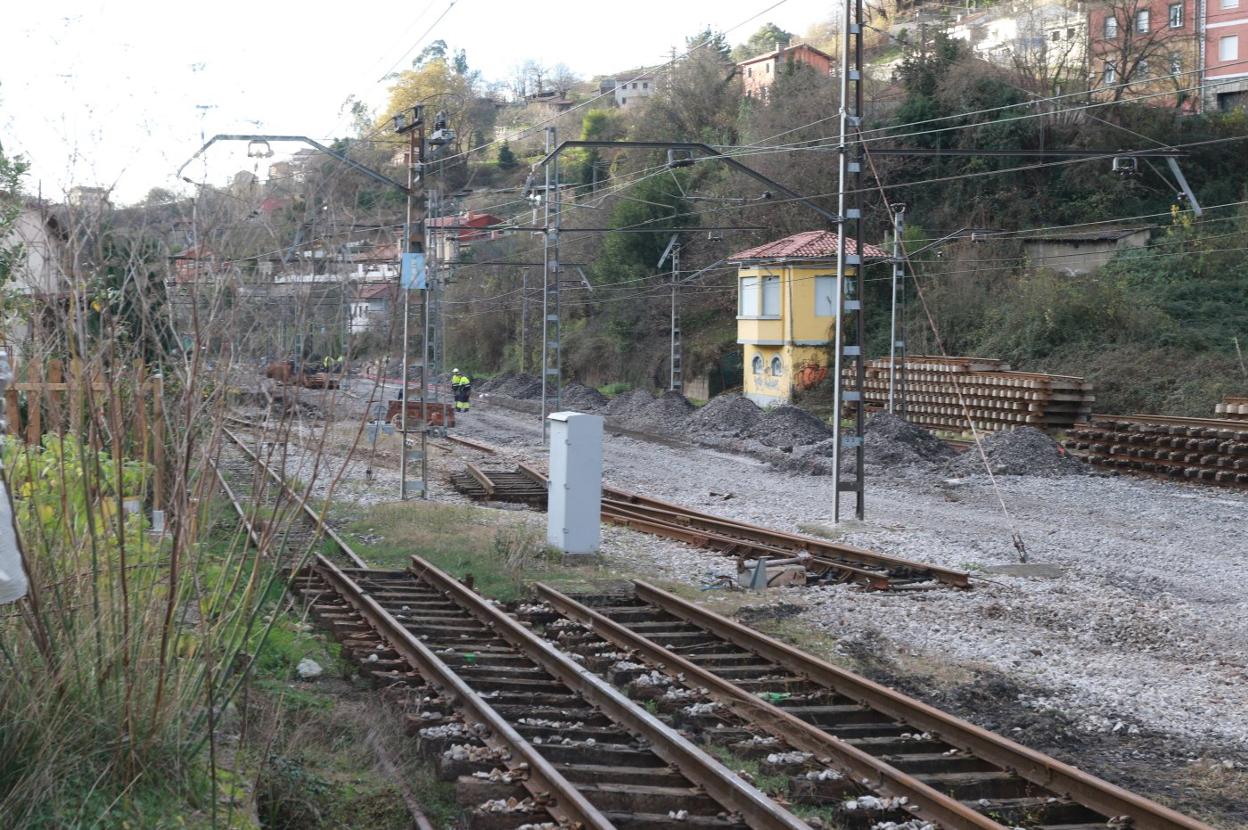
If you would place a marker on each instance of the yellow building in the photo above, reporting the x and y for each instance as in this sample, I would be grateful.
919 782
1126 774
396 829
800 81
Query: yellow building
786 312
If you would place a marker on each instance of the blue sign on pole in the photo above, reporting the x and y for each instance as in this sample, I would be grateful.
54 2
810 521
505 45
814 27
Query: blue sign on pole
412 274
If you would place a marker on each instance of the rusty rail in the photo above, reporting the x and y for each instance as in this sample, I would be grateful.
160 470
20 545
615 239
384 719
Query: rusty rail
1030 765
724 786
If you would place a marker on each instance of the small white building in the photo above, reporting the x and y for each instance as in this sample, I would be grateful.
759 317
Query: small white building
1046 35
40 266
370 307
635 87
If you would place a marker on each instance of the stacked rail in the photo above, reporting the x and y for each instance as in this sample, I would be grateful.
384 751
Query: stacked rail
827 561
1204 450
1233 408
922 760
941 392
528 734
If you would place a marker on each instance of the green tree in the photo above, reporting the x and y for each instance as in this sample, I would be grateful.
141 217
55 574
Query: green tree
506 158
763 41
11 172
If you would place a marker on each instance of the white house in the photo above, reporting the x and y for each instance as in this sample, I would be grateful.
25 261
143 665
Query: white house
1044 35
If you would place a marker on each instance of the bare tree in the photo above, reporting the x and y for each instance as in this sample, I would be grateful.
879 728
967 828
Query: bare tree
536 75
1134 51
562 78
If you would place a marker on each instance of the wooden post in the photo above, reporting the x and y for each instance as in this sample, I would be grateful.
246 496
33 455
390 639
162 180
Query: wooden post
56 397
34 405
140 411
12 412
75 395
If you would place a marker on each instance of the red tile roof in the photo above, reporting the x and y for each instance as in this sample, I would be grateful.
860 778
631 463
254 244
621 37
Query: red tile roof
819 245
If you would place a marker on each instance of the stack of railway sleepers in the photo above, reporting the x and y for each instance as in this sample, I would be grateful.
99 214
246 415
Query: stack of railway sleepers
1233 408
1214 451
996 398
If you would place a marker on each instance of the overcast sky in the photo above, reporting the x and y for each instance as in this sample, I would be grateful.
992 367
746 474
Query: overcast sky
117 92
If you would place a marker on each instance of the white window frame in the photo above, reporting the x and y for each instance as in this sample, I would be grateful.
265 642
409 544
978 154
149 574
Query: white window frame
1141 69
1230 4
770 308
1176 15
776 366
1111 26
825 295
1143 20
1111 74
749 298
756 365
1231 53
1176 64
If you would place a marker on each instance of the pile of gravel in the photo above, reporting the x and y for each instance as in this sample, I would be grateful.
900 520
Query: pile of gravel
581 398
895 442
627 405
729 414
1025 451
518 386
492 384
789 426
667 413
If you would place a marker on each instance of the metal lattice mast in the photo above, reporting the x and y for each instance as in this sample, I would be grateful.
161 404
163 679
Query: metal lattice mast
849 330
433 325
896 346
552 358
678 381
414 242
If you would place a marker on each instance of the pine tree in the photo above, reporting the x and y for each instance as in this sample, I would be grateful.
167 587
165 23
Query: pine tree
506 158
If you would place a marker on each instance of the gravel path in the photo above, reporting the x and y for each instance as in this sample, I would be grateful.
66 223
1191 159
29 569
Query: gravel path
1133 622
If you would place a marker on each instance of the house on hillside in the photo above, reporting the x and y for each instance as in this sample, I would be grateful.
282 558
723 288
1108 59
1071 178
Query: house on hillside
786 310
41 268
1149 51
1081 253
370 306
759 72
461 231
636 86
194 263
1226 55
1047 39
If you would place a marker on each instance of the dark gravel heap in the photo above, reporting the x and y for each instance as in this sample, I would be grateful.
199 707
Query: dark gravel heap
492 384
894 442
518 386
789 426
1025 451
729 414
667 413
581 398
625 406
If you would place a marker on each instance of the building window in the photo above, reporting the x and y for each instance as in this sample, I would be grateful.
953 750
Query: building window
645 84
1055 35
623 101
748 306
1141 20
1110 75
825 296
634 84
1070 33
771 296
1176 16
1176 64
1111 27
1228 48
1141 69
776 366
749 72
1230 4
757 364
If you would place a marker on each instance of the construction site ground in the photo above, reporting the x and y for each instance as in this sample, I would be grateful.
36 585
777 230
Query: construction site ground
1120 645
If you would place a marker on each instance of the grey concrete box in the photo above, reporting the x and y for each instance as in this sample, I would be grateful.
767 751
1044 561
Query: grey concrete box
574 514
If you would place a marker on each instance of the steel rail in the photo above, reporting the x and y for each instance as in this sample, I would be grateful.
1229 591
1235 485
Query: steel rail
541 778
833 550
794 731
1028 764
615 513
1172 420
721 784
309 513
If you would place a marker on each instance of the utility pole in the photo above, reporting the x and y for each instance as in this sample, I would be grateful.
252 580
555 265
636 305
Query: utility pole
414 250
673 250
552 358
849 255
896 346
432 353
524 316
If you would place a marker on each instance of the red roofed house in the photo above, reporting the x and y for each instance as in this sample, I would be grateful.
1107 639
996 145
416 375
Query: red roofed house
759 72
471 227
786 311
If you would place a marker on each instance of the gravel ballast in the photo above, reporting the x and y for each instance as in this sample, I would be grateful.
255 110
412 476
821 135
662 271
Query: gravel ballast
724 415
1140 628
788 426
1025 451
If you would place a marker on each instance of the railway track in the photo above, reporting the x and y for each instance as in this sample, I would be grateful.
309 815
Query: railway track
272 512
828 561
518 721
909 753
